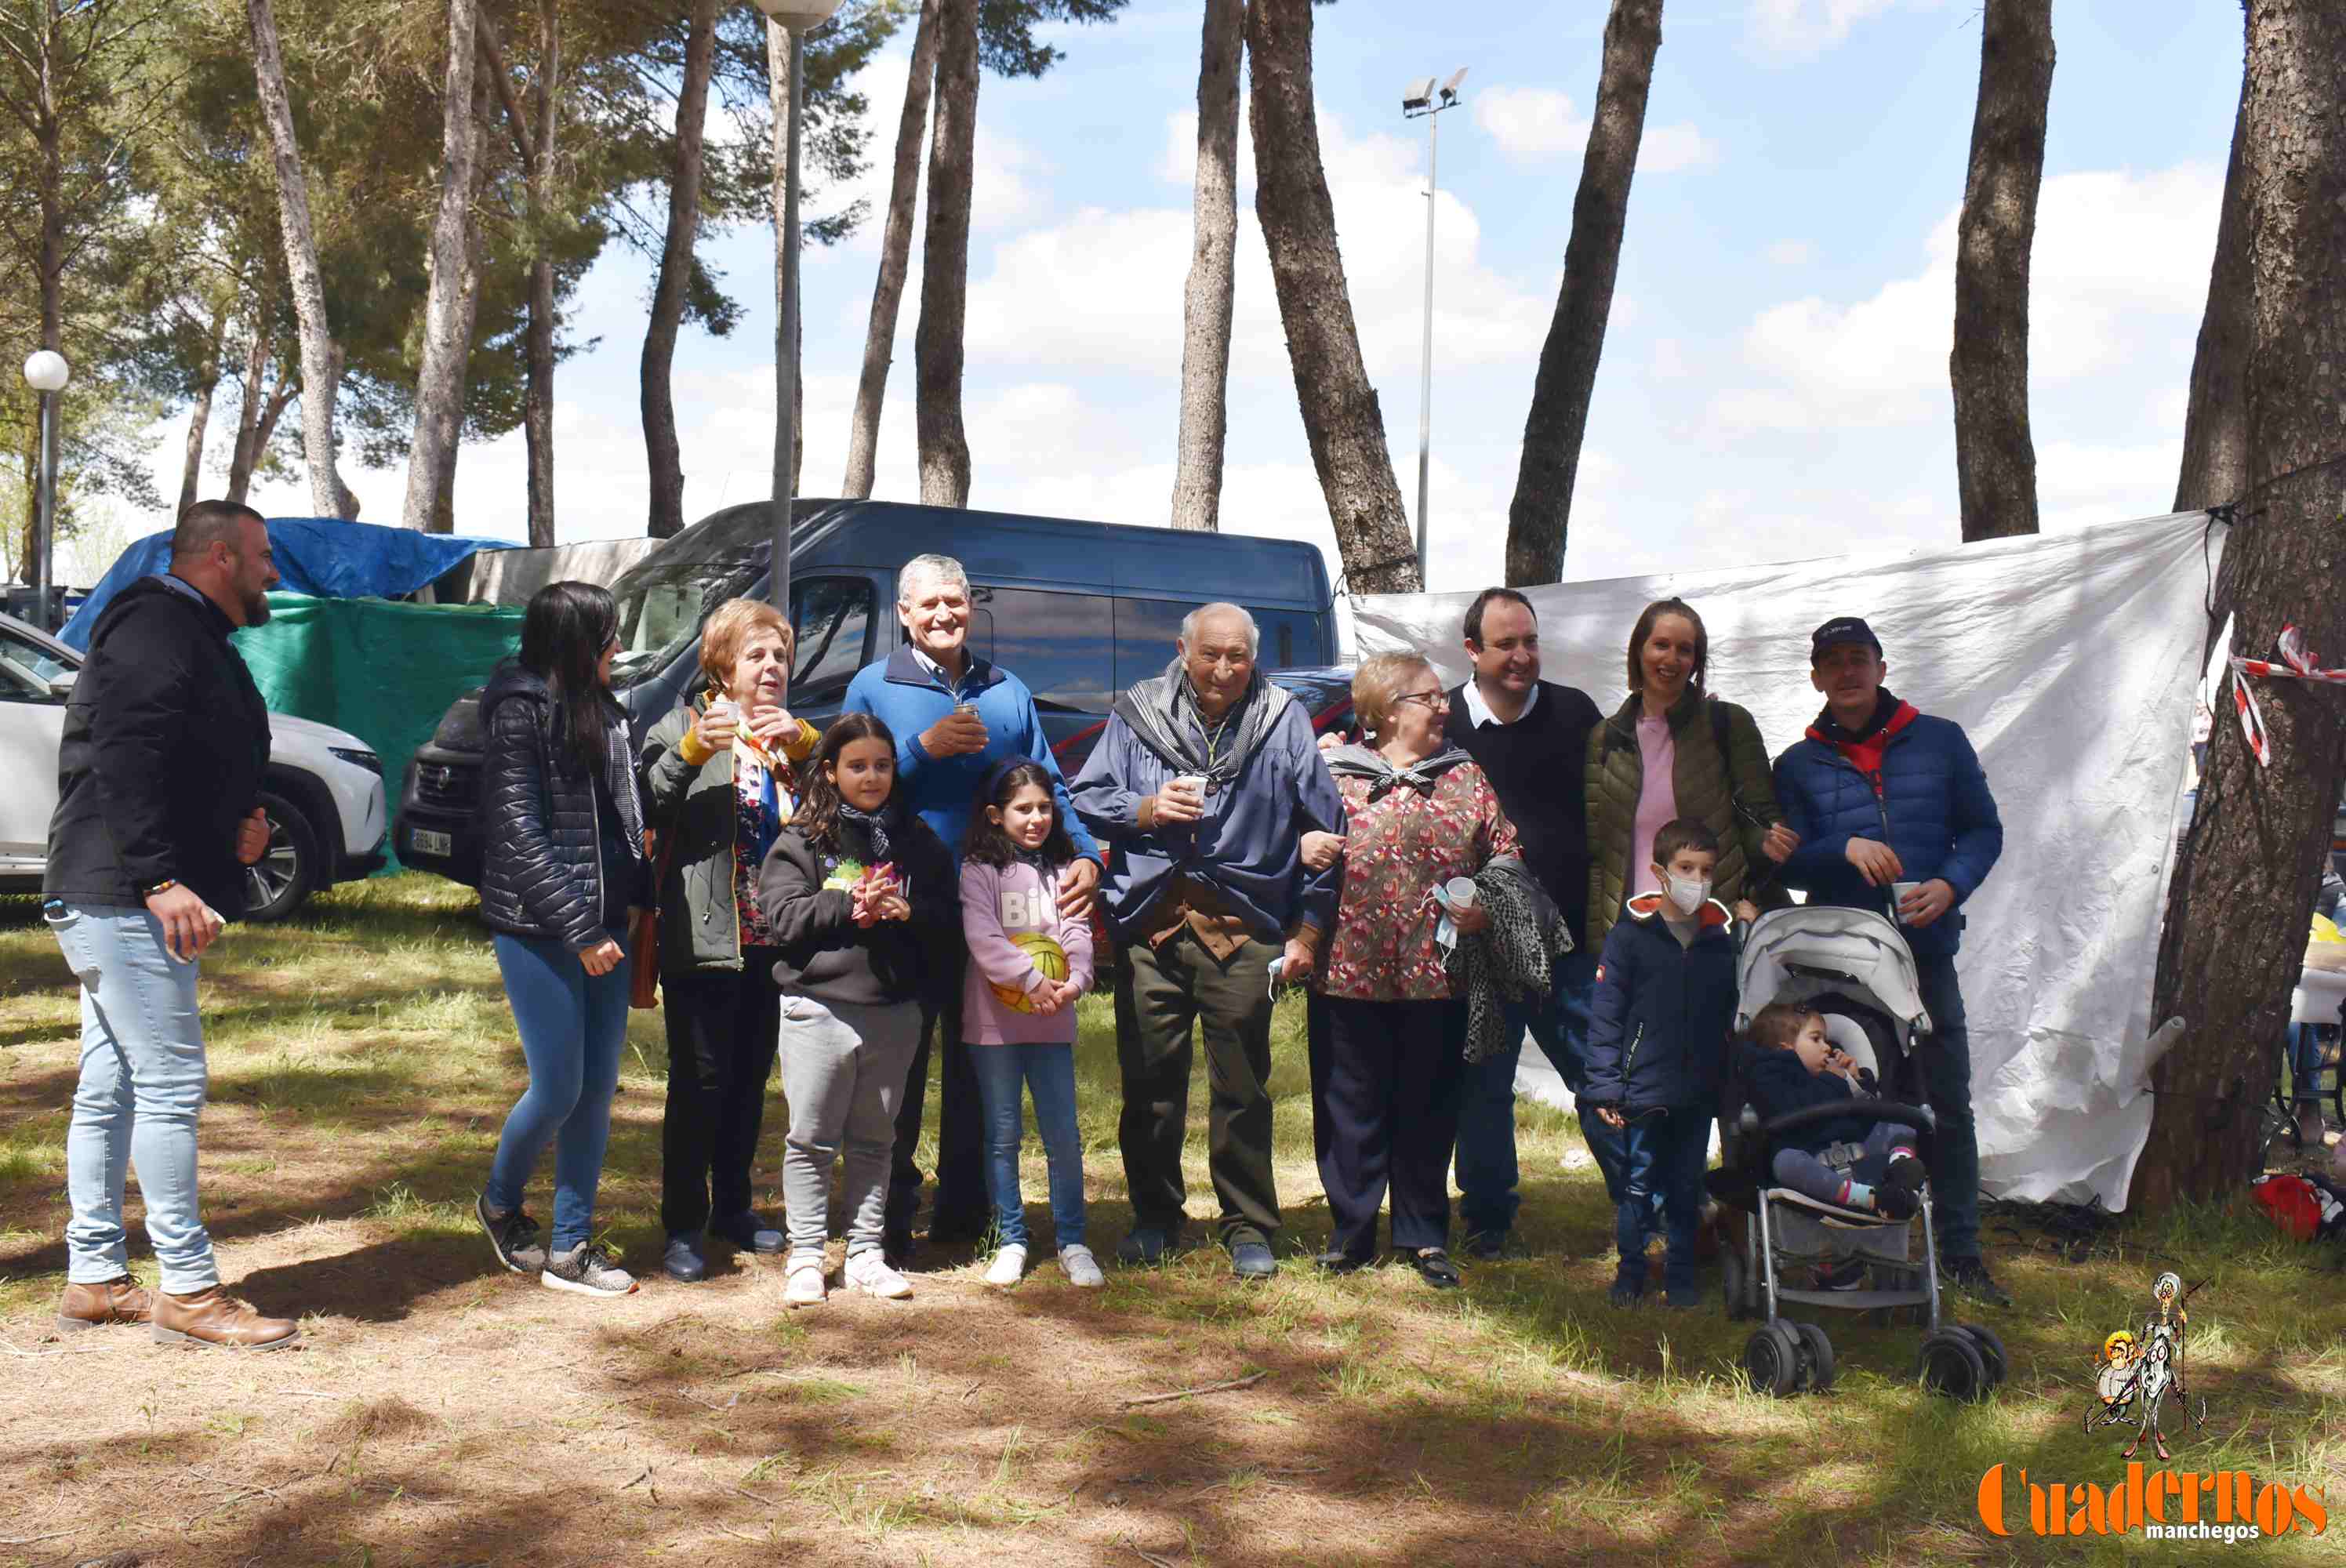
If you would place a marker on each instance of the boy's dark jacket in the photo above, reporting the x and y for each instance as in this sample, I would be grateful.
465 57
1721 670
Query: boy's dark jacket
825 955
164 741
1659 1020
1781 1084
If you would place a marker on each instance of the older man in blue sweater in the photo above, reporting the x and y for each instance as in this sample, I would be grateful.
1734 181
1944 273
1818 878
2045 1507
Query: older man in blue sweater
1207 780
955 715
1886 798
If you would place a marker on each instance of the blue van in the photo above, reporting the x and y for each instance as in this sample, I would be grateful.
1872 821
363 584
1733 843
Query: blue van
1077 610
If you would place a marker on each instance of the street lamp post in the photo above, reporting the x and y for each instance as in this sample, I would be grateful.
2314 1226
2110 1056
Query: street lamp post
1420 100
794 17
46 374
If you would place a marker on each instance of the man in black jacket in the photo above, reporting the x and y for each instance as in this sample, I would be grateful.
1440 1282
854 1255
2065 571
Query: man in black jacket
159 774
1530 737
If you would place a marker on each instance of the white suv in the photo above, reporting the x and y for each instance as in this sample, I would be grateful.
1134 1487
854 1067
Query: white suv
323 789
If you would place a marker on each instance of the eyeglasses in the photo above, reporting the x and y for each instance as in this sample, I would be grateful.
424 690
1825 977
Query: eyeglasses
1429 698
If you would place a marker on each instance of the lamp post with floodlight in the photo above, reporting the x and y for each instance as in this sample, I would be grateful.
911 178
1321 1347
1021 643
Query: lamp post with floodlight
1422 100
46 374
795 18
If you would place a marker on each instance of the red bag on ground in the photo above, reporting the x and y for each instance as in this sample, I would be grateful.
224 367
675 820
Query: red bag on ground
2293 1204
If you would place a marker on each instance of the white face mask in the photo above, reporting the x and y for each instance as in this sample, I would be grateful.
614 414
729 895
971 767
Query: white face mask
1686 894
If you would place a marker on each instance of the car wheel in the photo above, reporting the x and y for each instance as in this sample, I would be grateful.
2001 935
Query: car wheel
288 869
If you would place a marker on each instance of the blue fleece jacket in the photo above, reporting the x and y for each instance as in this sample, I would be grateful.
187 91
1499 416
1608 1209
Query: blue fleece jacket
1781 1083
1659 1019
1930 802
908 697
1249 846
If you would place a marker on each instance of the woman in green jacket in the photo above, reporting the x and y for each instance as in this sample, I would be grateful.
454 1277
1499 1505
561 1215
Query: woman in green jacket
720 784
1674 750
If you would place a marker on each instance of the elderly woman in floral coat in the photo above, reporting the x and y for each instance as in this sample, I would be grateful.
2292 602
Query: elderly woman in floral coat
1421 814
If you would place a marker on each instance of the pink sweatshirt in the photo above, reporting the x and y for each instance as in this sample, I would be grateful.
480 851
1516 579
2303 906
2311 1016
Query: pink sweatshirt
996 905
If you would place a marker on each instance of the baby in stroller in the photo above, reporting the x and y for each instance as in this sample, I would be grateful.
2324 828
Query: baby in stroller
1857 1161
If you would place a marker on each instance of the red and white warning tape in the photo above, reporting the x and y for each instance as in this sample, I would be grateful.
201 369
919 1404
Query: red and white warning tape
2296 663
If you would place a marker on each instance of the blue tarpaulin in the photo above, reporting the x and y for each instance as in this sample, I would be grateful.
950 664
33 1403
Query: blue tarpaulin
324 557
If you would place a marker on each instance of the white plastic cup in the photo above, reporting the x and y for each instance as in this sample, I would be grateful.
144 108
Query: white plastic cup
1459 893
1193 784
1898 892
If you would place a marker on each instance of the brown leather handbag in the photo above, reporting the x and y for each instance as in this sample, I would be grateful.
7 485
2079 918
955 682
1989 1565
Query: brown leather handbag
644 939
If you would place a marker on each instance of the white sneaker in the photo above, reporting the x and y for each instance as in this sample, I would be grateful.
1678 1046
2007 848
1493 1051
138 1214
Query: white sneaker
868 1271
1081 1267
806 1287
1009 1266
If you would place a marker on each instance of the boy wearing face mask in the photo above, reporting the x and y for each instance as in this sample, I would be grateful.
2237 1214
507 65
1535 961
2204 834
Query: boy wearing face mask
1658 1028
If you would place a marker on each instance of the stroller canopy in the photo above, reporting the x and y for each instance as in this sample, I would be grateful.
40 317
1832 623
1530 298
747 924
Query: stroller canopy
1808 951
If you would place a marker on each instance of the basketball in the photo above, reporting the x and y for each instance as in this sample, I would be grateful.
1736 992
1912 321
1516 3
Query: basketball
1049 956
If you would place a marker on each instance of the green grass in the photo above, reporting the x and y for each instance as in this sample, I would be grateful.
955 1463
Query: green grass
364 1057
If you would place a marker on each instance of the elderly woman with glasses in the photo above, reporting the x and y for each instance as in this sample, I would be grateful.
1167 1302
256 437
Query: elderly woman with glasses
1421 815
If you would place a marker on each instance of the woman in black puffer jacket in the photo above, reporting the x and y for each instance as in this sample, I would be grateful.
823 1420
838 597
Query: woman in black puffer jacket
562 871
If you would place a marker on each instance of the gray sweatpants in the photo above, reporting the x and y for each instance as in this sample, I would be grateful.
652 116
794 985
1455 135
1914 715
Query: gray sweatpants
844 1069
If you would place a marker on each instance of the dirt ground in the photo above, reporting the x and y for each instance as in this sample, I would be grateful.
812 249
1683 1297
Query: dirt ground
439 1411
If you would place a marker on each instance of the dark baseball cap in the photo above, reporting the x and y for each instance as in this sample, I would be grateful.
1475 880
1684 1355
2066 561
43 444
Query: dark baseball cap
1841 629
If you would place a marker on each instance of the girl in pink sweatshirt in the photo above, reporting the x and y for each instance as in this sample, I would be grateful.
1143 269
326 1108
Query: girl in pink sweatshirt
1027 966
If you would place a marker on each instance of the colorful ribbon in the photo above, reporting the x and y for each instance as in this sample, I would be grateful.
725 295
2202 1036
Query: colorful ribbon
2296 663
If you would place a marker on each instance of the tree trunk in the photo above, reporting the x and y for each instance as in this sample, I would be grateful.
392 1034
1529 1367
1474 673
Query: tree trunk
200 418
320 358
674 273
247 452
1341 421
538 398
1996 460
2216 421
896 260
49 136
944 261
449 305
1539 519
1206 306
2244 885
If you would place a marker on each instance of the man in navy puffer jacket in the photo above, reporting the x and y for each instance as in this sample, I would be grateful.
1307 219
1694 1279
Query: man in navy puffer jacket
1881 794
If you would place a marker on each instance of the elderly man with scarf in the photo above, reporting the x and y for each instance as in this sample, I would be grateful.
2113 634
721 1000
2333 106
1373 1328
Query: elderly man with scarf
1207 780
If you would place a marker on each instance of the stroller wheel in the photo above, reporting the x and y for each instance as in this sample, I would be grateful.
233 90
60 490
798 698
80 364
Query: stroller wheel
1818 1352
1771 1358
1951 1364
1734 1281
1991 1350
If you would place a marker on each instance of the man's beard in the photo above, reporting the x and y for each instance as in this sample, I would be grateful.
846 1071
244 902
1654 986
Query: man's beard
256 608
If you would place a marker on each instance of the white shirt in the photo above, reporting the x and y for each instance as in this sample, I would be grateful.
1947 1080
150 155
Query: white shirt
1478 712
935 669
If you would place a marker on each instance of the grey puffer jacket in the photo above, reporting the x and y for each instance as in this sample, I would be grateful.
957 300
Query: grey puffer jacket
542 863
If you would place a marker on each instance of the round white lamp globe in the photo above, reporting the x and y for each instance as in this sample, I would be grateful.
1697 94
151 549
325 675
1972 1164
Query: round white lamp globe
799 15
46 372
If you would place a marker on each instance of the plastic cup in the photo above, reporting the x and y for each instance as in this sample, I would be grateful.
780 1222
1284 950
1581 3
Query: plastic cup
1193 784
1459 893
1898 892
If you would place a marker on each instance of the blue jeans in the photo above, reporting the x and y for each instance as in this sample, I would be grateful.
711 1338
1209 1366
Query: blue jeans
573 1025
2305 1063
1947 1074
1663 1155
1049 1071
1484 1158
142 1085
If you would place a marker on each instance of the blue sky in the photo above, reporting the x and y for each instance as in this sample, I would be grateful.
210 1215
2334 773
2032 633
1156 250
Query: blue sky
1774 383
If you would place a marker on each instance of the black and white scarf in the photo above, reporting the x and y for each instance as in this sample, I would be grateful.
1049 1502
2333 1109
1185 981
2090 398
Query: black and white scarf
1163 713
874 825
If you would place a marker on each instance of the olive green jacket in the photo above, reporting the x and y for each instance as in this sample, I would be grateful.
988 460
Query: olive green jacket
693 813
1734 796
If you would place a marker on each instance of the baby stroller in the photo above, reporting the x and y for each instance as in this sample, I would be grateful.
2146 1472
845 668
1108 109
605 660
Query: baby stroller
1854 967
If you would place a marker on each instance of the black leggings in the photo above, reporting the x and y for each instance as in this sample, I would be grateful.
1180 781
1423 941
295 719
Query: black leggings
722 1029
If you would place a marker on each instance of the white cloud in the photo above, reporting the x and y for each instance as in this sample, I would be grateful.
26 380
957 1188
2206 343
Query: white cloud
1665 149
1530 122
1798 28
1534 124
1789 252
2115 252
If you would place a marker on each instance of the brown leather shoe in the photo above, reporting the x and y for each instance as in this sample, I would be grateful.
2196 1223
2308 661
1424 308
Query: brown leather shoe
212 1317
122 1300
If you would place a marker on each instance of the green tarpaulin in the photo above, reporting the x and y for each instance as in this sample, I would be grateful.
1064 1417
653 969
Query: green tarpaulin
384 671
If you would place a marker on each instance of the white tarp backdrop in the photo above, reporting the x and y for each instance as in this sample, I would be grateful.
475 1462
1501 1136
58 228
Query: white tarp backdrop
2072 659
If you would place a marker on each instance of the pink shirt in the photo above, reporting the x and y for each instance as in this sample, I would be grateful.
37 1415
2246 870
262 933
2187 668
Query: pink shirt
1657 799
997 905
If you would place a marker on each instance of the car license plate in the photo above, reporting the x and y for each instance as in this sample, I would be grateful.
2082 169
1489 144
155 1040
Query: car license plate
425 842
